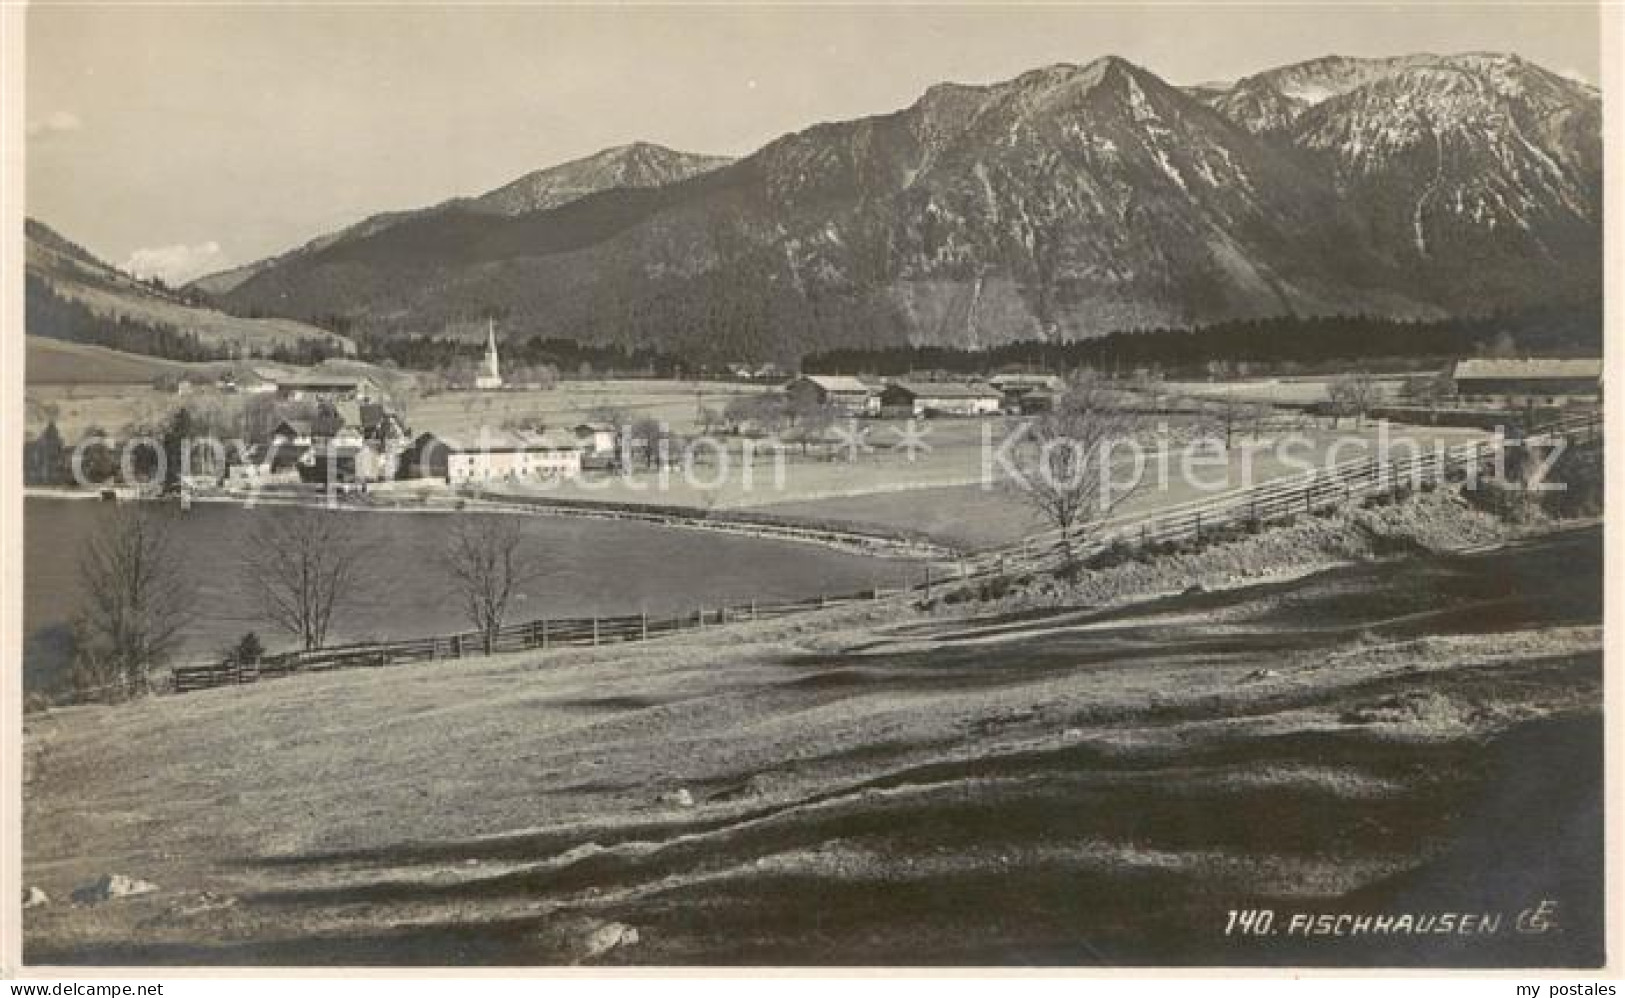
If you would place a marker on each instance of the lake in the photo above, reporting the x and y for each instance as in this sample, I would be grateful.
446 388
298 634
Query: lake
591 567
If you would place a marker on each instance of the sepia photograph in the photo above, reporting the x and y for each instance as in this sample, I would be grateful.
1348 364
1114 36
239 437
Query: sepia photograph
1086 487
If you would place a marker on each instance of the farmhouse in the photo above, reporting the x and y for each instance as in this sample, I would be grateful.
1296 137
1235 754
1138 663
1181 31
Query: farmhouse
327 387
848 394
596 438
599 442
493 457
945 398
278 461
292 432
1492 381
247 381
346 463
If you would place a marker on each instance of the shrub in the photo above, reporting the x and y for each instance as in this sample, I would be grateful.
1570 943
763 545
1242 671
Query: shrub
1117 553
247 651
1505 501
998 587
1580 472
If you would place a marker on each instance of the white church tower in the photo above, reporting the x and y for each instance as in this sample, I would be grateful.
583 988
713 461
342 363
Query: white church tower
491 378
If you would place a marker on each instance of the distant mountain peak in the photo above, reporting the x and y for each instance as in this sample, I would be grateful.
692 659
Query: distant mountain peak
633 165
636 164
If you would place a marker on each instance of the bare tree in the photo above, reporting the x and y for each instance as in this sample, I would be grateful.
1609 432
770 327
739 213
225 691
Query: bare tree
650 437
1148 383
302 566
1063 461
738 412
710 417
137 600
487 563
1353 394
810 422
1225 416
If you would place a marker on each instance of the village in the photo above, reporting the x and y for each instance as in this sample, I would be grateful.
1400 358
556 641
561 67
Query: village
348 434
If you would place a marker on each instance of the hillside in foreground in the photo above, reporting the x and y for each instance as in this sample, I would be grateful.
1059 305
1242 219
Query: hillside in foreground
1075 786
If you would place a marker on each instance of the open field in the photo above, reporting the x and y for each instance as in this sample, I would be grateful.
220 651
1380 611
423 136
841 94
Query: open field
78 408
1073 786
95 386
58 362
676 403
1277 391
965 512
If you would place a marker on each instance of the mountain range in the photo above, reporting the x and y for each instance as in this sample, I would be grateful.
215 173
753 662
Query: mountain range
1068 202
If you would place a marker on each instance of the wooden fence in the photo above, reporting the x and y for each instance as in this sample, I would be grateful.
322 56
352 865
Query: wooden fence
1304 493
1278 499
541 634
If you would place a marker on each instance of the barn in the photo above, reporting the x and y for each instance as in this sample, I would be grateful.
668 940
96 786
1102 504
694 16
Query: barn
327 387
940 398
850 395
1539 381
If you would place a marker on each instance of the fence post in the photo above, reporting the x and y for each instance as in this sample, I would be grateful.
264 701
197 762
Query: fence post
457 645
1198 524
928 582
643 624
544 634
595 629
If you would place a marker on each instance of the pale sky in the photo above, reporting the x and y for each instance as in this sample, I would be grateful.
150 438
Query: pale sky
186 139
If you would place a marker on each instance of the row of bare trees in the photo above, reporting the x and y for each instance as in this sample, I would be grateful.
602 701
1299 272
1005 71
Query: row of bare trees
305 568
302 569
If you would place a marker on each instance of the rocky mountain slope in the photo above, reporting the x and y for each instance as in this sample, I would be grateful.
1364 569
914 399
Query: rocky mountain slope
1478 174
641 164
1067 202
638 165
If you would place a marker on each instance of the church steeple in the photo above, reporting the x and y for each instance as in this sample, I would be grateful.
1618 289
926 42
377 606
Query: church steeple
492 376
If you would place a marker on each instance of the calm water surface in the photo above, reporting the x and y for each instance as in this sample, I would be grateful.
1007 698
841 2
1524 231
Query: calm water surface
591 566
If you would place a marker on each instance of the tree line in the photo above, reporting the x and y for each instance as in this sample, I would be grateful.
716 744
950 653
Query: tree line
569 358
1259 346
